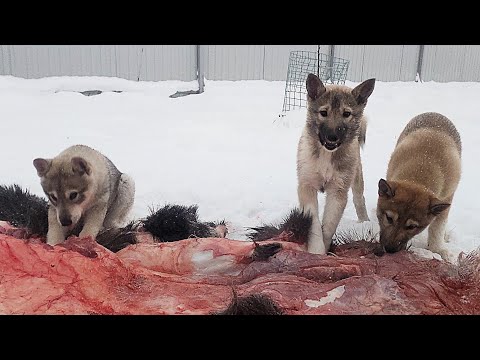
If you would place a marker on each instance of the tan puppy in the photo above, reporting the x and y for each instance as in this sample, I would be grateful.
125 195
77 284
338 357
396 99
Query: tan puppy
422 176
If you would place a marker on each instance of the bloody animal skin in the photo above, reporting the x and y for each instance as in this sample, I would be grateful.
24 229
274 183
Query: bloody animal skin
196 276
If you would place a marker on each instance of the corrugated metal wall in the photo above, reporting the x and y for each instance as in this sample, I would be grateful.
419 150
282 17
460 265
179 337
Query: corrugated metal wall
236 62
276 59
233 62
133 62
383 62
249 62
444 63
270 62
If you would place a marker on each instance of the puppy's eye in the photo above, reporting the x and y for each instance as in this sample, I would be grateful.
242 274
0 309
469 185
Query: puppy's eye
411 227
323 113
389 219
73 195
53 197
346 114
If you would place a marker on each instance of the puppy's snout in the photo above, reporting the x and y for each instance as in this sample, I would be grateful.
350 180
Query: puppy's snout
65 221
332 137
392 249
379 250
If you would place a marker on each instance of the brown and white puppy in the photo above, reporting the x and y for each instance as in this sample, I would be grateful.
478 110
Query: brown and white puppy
328 156
422 177
87 193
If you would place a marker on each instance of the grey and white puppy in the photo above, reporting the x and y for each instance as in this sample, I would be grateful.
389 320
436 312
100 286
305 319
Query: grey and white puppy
85 190
328 156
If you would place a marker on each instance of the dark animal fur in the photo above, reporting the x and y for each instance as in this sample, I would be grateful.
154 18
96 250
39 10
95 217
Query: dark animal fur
263 252
23 210
366 239
297 223
256 304
117 239
176 222
169 223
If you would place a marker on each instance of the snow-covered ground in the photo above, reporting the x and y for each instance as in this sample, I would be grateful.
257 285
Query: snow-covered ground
227 149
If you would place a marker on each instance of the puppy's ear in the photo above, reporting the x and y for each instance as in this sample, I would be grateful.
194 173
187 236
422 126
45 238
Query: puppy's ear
437 206
363 91
80 166
385 189
42 166
315 87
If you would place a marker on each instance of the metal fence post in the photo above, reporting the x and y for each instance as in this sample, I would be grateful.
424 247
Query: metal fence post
419 64
330 63
200 77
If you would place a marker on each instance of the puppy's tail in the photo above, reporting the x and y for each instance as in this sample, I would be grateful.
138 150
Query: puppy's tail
23 210
362 136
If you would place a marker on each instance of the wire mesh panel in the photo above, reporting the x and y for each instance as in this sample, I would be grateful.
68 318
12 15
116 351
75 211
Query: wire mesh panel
330 69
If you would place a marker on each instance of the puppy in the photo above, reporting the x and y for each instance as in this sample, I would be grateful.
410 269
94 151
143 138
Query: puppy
328 156
422 177
86 193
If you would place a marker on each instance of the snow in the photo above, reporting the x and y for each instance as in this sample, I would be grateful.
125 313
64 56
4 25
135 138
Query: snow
227 149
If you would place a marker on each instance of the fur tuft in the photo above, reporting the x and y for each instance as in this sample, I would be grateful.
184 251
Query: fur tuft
24 210
353 235
255 304
264 232
177 222
116 239
365 239
263 252
468 267
297 224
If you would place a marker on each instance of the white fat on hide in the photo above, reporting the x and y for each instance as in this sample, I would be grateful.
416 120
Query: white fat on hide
332 295
206 263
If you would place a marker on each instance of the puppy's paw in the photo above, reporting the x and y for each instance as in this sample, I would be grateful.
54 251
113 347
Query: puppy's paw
363 219
316 246
55 241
